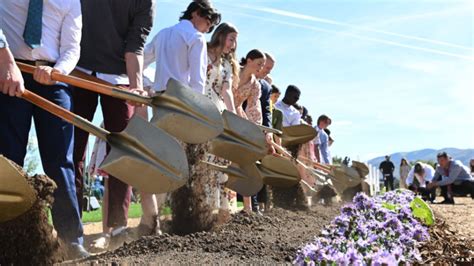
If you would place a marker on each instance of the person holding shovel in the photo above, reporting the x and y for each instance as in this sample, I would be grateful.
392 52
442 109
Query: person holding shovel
36 32
114 36
249 90
11 81
222 76
180 53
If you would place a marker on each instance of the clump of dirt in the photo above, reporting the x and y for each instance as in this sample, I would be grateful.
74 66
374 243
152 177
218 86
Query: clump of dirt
272 238
447 246
28 239
191 213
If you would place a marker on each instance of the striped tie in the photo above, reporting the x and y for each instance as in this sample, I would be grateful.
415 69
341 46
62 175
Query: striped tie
33 26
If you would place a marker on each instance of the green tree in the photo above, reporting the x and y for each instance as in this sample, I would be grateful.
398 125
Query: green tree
32 159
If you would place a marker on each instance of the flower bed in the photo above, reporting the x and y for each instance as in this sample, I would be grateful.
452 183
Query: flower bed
381 230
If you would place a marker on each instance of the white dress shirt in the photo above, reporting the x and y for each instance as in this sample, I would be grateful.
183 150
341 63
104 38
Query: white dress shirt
291 116
61 31
180 52
429 174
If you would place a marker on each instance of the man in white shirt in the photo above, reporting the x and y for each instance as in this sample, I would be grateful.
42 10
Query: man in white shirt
46 34
420 175
180 51
291 116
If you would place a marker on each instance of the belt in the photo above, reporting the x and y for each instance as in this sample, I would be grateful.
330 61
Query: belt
36 63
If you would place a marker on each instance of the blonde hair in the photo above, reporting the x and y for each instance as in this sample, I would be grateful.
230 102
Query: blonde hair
218 41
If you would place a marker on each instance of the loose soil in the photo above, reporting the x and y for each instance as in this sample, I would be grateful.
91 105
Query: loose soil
29 239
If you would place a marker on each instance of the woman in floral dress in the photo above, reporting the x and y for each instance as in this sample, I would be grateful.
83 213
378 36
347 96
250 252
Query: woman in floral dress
249 91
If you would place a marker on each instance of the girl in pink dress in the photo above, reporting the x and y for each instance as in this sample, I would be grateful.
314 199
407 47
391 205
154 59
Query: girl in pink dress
249 90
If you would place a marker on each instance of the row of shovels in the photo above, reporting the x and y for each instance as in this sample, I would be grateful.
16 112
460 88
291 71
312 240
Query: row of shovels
148 156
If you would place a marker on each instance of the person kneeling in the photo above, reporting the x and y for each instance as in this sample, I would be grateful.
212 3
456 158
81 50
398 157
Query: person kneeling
418 180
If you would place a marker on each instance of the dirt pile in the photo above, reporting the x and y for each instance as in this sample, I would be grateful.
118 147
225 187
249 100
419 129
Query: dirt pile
272 238
447 246
28 239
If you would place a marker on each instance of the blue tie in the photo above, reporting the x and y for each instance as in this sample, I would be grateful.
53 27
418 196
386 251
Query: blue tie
34 23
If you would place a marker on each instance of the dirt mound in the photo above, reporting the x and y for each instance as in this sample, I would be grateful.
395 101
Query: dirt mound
447 246
28 239
272 238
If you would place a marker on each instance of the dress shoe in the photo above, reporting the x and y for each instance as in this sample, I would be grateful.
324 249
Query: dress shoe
76 251
447 201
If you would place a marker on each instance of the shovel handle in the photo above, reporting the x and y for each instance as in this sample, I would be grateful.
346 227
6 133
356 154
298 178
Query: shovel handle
91 83
286 153
64 114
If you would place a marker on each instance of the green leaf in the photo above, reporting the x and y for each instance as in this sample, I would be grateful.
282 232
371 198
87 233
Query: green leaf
422 211
391 207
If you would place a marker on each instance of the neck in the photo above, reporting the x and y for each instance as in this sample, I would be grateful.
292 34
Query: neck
285 101
245 74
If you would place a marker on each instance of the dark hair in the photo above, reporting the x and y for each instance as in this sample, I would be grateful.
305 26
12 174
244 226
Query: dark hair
292 89
327 131
442 155
275 89
253 54
419 168
204 9
403 160
305 113
309 119
297 106
323 118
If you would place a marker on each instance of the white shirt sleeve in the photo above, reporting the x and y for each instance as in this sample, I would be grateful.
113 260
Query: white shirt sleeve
70 42
149 54
197 58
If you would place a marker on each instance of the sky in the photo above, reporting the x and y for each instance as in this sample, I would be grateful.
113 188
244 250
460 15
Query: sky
394 75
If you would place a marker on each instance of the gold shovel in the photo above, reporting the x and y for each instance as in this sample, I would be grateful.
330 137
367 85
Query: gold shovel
243 179
293 135
241 142
142 155
180 111
16 195
278 171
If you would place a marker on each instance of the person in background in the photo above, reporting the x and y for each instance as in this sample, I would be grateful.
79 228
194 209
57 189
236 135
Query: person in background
291 116
11 80
331 140
418 178
180 51
277 115
471 163
387 168
274 95
222 76
452 177
50 40
321 142
259 200
249 90
404 170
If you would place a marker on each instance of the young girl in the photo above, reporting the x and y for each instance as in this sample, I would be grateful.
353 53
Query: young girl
222 76
404 170
249 90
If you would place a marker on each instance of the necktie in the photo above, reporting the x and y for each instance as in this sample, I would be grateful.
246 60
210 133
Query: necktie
33 26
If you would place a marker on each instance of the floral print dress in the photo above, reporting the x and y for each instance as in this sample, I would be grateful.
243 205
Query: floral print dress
217 76
251 93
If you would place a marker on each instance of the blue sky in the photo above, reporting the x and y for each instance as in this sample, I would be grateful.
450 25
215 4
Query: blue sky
395 75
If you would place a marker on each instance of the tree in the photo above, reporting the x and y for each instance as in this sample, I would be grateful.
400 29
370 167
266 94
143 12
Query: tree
32 159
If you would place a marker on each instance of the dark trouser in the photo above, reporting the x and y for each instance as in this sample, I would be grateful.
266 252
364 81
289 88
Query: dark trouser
388 181
426 194
116 115
261 197
55 141
465 187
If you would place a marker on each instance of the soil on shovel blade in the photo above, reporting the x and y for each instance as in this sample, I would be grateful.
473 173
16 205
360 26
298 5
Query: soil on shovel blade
247 238
28 239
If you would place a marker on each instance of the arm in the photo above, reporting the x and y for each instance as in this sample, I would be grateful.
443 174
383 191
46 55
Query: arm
149 54
197 58
138 31
265 103
227 94
11 80
451 178
410 177
324 151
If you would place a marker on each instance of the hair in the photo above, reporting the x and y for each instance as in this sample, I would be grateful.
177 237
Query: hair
204 9
275 89
298 107
253 54
292 89
269 56
305 112
323 118
442 155
218 40
309 119
403 160
418 168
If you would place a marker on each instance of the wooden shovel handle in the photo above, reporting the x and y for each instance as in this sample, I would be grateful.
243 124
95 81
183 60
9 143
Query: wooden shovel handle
287 154
64 114
88 82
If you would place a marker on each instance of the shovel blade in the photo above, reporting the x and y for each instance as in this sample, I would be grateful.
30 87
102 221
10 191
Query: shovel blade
186 115
146 158
278 172
16 195
245 180
242 141
298 134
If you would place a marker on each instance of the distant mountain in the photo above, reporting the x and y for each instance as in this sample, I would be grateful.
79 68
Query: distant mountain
464 155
